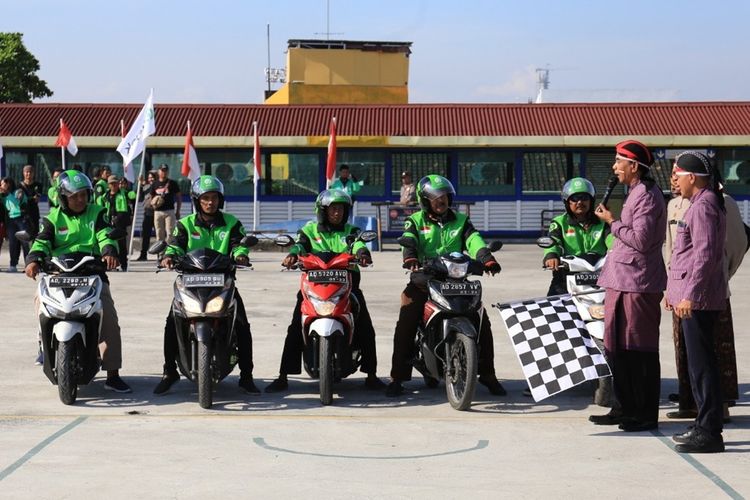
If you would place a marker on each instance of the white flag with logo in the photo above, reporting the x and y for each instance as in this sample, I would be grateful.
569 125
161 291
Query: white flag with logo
144 125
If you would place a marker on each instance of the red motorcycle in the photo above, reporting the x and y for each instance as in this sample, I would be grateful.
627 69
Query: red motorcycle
328 313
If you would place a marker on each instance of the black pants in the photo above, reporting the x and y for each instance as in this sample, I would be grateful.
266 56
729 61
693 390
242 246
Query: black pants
559 284
637 383
703 369
364 336
413 299
146 227
244 341
14 244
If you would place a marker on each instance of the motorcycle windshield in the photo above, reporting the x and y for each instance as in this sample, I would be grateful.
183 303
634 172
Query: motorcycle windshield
326 260
71 264
205 260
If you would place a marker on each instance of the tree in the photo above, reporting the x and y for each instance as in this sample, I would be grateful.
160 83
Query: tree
18 67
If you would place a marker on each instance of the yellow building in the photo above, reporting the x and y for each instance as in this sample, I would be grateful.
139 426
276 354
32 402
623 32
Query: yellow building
345 72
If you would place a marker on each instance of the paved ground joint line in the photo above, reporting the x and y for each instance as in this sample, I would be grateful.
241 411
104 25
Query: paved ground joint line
714 478
36 449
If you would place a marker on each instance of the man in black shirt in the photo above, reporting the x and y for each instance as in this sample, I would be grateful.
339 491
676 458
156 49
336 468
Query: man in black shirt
166 201
33 191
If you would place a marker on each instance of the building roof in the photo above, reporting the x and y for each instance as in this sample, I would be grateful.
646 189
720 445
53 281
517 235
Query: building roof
398 122
351 45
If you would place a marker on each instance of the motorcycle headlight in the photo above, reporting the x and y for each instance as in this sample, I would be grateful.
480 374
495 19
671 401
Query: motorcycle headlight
597 311
215 305
323 307
84 310
55 312
191 305
439 299
456 270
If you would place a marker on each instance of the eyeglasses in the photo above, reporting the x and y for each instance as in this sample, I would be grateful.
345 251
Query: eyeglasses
575 198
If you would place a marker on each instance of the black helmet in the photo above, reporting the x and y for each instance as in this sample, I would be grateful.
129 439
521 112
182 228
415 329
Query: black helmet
71 182
434 186
329 197
206 184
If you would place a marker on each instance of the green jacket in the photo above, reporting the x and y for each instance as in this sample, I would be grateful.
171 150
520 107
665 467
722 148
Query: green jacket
351 187
222 234
317 238
13 208
454 233
100 189
573 239
118 206
61 232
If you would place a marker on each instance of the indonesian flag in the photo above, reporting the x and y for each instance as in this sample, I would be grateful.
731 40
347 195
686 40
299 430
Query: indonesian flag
65 139
190 166
331 161
256 154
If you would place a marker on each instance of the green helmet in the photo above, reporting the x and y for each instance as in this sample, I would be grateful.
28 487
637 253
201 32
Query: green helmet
71 182
206 184
329 197
578 185
434 186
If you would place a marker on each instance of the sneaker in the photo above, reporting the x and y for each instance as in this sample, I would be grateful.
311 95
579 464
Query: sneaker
248 384
394 389
493 384
39 358
169 378
115 383
278 385
11 269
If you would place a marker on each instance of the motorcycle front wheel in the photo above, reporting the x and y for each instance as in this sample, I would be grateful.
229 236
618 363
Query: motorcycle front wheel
326 370
205 383
461 372
66 362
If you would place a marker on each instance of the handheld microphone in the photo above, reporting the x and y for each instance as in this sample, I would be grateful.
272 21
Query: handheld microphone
611 183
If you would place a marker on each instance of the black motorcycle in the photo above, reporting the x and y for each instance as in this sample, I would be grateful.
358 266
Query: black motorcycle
447 336
205 312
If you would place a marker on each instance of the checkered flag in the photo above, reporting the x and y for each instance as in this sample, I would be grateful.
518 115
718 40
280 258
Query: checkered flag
552 344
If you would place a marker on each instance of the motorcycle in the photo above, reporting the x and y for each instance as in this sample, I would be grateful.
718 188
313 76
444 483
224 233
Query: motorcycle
581 274
205 312
447 336
329 312
70 318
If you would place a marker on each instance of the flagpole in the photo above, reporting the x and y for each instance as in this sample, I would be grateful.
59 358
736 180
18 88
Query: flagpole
256 169
137 202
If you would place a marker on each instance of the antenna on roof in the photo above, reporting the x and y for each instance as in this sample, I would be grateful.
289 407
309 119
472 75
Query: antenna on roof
328 32
542 83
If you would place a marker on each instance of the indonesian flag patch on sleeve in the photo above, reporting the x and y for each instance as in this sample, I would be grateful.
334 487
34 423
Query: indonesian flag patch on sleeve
195 235
62 231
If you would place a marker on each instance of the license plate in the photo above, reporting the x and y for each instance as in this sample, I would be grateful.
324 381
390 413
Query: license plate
202 280
68 281
463 288
327 275
587 278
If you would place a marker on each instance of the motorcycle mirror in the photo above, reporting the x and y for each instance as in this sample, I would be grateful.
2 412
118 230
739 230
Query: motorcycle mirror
496 245
407 242
368 236
116 233
545 242
284 240
249 241
23 236
157 247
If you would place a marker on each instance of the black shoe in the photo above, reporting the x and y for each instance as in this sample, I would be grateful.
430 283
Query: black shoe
394 389
248 384
678 414
493 384
430 382
630 425
115 383
526 393
278 385
611 418
141 258
684 437
373 383
169 378
674 397
701 442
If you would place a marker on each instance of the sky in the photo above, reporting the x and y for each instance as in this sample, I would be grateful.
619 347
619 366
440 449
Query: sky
469 51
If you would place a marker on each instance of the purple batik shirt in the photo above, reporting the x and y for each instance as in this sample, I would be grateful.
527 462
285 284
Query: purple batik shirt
697 268
635 264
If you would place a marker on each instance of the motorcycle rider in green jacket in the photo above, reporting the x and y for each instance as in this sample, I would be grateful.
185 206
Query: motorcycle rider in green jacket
79 225
576 232
437 230
328 234
208 227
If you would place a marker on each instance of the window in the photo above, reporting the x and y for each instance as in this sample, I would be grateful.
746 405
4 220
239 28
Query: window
234 168
485 173
545 173
599 170
418 165
365 166
291 174
735 165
